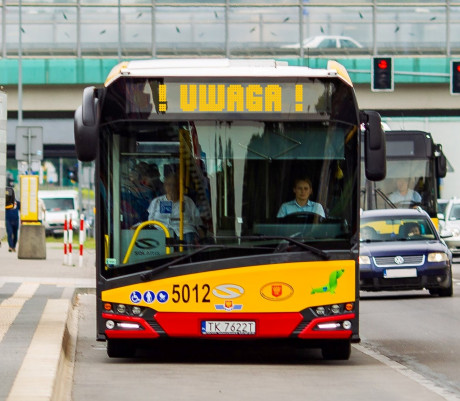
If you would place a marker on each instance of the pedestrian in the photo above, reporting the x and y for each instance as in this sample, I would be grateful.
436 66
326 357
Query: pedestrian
12 225
41 210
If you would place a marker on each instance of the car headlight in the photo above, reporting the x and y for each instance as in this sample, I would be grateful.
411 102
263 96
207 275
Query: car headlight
437 257
455 232
364 260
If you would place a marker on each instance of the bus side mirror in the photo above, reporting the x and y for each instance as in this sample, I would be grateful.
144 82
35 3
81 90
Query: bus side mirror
441 162
86 126
9 198
374 146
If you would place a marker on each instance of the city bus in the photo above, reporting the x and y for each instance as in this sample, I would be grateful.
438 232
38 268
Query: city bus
211 260
415 165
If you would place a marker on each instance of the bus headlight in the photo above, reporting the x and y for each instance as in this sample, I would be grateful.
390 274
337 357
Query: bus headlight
121 308
437 257
320 311
364 260
335 309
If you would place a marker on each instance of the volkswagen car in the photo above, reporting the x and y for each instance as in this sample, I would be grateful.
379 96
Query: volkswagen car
400 249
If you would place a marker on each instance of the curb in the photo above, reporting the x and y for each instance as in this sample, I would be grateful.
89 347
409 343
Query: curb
46 372
62 388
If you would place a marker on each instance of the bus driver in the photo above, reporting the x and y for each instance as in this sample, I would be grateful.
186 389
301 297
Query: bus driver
302 189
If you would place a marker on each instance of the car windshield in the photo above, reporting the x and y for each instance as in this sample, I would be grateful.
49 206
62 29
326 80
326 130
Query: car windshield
381 229
346 43
455 212
58 204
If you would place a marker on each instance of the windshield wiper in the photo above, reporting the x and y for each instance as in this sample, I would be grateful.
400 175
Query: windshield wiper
149 274
291 240
385 198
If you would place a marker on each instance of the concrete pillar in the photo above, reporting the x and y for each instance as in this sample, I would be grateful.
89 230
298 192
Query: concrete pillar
32 242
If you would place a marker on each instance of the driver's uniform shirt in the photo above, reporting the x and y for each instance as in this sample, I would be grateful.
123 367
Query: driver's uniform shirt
411 196
292 207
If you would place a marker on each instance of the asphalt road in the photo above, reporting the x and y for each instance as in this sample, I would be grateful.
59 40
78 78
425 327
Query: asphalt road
409 351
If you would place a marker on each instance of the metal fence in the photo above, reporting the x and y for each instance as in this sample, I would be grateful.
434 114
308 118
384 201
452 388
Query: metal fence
231 28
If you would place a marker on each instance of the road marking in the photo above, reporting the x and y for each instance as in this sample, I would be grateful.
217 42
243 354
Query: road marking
427 383
59 281
37 375
10 307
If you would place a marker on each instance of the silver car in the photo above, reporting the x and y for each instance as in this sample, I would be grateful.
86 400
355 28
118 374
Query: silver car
327 42
451 224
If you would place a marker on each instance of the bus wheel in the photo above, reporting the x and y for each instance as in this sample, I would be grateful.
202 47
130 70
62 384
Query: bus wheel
121 348
336 350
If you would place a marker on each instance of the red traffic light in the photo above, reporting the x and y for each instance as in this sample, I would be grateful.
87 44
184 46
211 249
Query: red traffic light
382 64
382 74
455 77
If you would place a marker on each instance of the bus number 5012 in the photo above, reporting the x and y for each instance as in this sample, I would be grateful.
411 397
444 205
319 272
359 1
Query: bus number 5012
194 294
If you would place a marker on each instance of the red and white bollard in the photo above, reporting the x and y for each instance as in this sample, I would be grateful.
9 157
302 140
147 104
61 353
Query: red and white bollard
70 235
68 238
82 238
65 239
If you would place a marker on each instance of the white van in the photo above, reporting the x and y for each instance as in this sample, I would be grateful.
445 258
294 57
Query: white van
57 205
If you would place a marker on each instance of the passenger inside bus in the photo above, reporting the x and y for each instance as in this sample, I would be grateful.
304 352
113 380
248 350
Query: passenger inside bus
151 179
301 204
135 195
165 209
403 196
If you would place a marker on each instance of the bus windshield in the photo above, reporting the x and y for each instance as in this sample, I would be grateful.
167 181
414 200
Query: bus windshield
412 174
232 178
407 184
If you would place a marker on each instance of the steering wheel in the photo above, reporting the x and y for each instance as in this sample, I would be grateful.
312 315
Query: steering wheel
303 218
405 204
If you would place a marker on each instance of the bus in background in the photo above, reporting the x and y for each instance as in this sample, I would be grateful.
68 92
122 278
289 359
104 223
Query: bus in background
415 165
193 160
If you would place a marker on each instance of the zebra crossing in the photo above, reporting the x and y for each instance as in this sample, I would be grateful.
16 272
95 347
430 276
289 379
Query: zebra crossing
37 325
32 322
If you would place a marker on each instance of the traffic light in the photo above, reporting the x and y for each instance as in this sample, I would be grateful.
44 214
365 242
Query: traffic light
382 74
9 180
73 174
455 77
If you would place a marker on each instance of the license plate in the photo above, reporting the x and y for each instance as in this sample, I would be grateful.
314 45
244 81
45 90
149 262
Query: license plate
400 273
231 327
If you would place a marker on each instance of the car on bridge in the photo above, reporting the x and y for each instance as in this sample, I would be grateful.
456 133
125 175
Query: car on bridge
400 249
327 42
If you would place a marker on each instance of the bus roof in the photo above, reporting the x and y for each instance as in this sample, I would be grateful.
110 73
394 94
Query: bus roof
222 68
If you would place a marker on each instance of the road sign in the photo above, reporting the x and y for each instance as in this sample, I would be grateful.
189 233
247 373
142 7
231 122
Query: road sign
29 143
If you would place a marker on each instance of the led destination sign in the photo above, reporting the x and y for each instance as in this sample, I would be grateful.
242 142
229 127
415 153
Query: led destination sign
268 97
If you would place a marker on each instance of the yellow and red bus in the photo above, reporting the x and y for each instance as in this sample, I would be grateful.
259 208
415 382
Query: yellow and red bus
236 135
